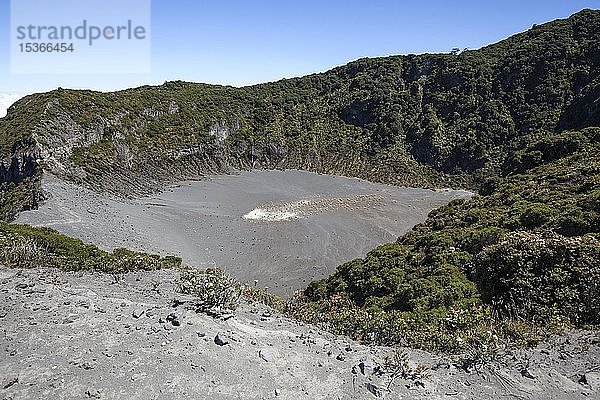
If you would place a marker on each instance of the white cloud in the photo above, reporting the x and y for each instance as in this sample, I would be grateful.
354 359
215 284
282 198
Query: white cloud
6 100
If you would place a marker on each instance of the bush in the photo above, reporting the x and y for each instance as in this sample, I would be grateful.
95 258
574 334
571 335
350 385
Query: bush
30 247
21 252
541 277
386 279
535 215
213 288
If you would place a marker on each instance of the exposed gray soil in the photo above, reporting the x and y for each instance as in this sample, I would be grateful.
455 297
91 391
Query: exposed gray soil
281 228
76 336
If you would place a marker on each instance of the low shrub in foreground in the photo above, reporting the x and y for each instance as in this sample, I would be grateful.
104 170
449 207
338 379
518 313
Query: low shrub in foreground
540 277
213 288
468 328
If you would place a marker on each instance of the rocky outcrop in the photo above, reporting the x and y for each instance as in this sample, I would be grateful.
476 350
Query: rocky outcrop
20 175
23 163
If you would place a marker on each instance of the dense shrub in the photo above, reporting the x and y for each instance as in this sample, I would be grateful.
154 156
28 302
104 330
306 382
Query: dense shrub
21 252
386 279
541 276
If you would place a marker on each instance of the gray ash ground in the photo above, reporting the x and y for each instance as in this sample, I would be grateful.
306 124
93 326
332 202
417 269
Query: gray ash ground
281 228
80 335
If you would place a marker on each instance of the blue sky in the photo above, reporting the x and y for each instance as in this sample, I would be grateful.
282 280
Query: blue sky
245 42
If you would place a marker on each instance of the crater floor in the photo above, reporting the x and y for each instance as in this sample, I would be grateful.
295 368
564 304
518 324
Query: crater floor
280 228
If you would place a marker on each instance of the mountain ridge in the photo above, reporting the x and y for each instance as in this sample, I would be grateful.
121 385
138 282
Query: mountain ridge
424 120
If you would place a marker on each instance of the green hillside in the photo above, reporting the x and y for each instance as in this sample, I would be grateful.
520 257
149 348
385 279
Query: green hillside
522 255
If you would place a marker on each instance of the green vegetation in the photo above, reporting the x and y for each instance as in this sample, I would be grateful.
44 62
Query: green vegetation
214 290
517 121
421 120
17 197
24 246
522 256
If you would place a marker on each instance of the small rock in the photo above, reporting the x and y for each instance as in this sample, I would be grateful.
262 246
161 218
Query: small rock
92 394
9 382
265 355
70 319
592 379
341 357
177 302
374 389
277 392
221 339
84 364
527 374
226 317
174 319
138 313
367 368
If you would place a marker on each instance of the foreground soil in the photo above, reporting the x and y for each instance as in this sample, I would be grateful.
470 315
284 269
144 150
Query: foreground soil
74 335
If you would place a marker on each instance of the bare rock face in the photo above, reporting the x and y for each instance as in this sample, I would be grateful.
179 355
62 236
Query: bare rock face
18 167
73 335
20 179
